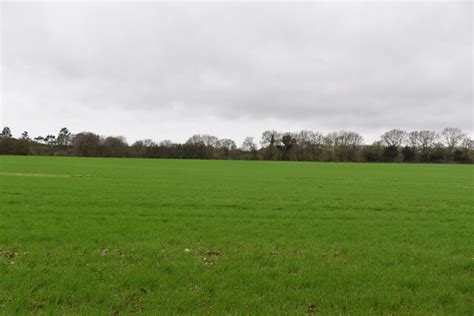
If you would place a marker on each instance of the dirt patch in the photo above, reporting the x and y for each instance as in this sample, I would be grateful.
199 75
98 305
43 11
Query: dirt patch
11 255
210 258
311 310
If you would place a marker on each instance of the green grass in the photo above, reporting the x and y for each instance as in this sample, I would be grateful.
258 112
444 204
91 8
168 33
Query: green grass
100 236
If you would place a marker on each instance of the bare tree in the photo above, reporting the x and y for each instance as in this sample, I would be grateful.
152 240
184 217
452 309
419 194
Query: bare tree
413 139
226 144
195 140
422 139
204 140
467 143
425 141
394 137
249 144
306 138
451 137
142 148
144 143
86 144
427 138
224 147
269 139
115 146
344 144
210 140
303 139
200 146
166 143
147 142
345 139
309 145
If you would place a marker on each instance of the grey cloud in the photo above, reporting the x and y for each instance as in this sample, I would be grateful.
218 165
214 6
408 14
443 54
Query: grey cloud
367 66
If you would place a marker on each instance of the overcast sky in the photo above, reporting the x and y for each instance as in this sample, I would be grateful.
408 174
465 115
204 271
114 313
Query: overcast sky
166 71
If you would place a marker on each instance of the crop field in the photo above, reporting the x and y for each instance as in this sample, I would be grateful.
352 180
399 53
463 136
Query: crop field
117 236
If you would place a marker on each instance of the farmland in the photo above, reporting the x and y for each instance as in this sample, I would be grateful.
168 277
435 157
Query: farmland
103 236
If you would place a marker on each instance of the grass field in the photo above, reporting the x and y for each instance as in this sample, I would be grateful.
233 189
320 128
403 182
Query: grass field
102 236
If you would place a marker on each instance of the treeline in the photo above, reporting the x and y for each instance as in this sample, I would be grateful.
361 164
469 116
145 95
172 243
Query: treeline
450 145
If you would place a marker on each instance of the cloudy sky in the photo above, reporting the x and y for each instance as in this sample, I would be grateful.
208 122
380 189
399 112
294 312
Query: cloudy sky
167 71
